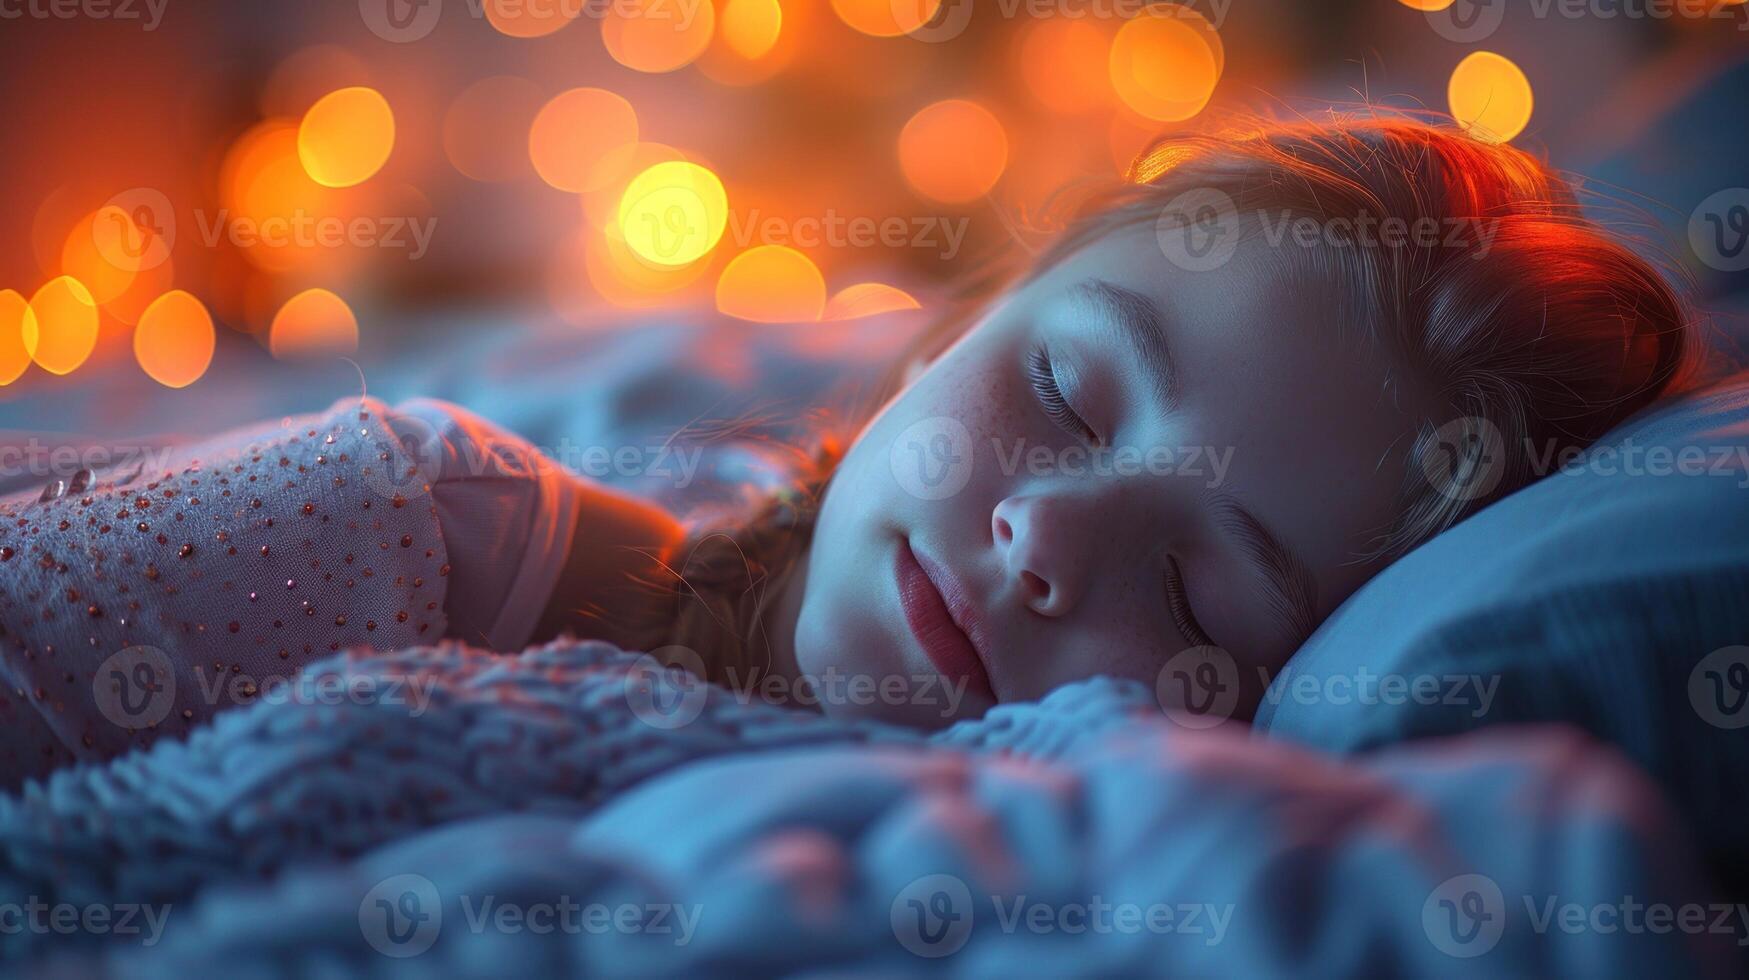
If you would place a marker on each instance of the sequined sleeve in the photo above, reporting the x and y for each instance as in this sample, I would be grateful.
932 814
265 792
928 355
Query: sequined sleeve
139 600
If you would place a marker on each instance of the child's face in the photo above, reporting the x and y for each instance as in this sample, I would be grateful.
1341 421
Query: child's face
1260 460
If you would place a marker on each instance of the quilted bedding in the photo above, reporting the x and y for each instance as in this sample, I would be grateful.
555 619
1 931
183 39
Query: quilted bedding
579 809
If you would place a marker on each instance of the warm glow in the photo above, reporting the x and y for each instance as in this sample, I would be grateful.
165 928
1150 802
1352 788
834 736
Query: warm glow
484 131
96 253
14 315
886 18
174 340
953 151
313 323
657 35
1064 64
266 188
868 299
575 133
1165 63
772 284
62 329
750 27
1490 97
613 274
1428 5
346 137
673 213
531 18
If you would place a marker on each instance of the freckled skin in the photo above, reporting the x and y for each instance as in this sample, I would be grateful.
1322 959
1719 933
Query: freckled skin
1317 447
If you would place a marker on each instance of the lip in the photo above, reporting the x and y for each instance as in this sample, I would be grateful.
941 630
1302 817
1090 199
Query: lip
939 619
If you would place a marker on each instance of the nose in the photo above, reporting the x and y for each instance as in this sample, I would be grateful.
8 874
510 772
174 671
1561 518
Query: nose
1045 548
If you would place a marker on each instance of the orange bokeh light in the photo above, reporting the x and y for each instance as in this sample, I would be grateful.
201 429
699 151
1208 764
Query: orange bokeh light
576 133
657 35
1427 5
772 284
953 151
15 314
266 192
886 18
531 18
174 340
868 299
313 323
346 137
484 131
105 272
62 329
751 27
1063 63
1490 96
1165 62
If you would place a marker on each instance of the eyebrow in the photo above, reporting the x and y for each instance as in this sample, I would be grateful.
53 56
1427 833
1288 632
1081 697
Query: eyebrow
1139 320
1292 590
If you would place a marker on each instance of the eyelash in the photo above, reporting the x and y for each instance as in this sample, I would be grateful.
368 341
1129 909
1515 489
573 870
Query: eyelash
1179 602
1043 376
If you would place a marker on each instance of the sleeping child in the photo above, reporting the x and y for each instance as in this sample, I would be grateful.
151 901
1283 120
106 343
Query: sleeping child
1376 325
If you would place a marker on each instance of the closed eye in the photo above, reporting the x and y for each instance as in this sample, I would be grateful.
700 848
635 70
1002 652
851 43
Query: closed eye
1178 600
1043 375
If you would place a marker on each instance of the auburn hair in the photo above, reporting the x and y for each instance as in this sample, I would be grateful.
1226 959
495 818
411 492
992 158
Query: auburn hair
1552 330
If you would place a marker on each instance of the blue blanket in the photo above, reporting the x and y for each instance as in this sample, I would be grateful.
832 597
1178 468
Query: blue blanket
577 809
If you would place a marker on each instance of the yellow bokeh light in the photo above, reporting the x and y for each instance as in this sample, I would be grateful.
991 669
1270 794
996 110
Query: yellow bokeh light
772 284
1490 97
62 329
657 35
1166 61
105 272
751 27
953 151
868 299
886 18
1428 5
1063 63
346 137
673 213
174 340
314 323
576 132
485 127
531 18
15 314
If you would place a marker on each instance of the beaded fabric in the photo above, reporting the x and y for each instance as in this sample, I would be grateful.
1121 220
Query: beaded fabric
138 601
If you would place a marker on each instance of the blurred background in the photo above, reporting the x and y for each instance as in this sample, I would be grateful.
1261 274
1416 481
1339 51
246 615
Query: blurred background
207 203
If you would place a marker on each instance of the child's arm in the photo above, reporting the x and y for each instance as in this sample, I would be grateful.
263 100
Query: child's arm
536 549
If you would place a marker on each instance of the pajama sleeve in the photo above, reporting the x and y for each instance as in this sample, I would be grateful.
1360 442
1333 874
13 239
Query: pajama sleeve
138 600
